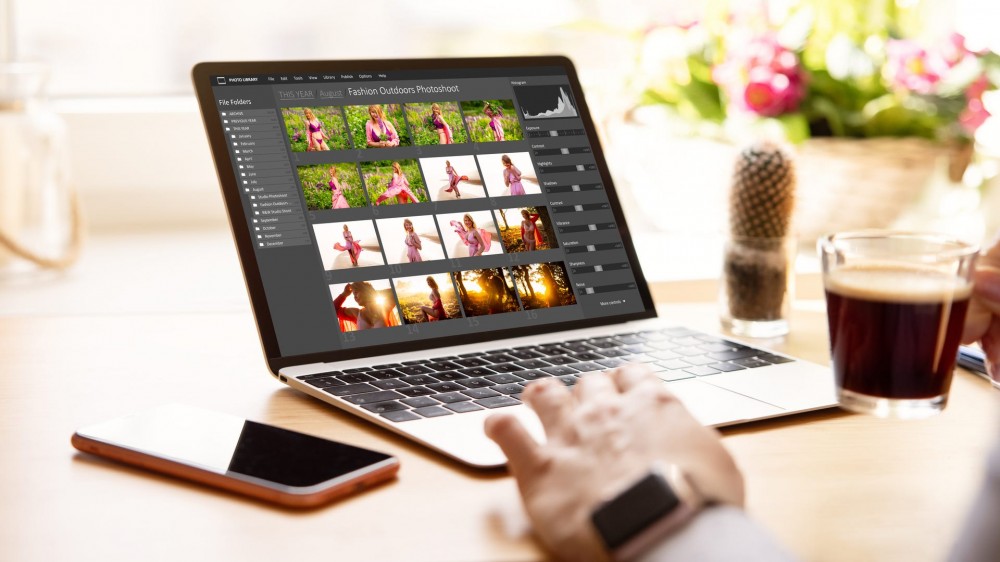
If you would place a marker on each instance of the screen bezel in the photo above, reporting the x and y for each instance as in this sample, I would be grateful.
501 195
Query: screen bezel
202 75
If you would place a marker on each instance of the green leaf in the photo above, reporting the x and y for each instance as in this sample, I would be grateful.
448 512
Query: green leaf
796 127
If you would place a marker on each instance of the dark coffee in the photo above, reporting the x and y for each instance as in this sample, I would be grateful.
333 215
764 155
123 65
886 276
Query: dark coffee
894 332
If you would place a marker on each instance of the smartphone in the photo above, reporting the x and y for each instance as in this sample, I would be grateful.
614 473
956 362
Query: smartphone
259 460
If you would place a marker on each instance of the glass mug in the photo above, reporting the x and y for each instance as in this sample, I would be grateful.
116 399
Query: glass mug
896 305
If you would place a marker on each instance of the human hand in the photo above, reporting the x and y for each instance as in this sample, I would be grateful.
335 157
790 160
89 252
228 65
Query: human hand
983 320
601 439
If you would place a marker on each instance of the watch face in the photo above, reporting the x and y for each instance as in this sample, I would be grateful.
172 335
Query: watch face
634 510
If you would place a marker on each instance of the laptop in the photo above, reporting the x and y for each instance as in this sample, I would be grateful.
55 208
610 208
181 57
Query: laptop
423 238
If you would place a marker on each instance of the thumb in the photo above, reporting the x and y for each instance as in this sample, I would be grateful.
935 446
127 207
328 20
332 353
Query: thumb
523 453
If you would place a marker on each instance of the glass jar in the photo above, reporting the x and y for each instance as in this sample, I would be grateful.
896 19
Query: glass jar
39 215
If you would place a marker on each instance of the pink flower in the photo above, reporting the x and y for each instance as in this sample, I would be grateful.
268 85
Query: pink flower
762 77
913 68
975 113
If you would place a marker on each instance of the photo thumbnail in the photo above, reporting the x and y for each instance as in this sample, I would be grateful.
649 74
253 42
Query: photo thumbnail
435 123
314 129
427 298
492 120
486 291
543 285
377 125
451 178
346 245
526 229
332 186
364 305
469 234
509 174
392 182
410 239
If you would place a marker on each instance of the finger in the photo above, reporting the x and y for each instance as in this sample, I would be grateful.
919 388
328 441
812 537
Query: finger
553 404
631 375
991 348
594 385
522 451
987 287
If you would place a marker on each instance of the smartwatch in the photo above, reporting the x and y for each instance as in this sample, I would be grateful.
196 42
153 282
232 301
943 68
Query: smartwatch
648 510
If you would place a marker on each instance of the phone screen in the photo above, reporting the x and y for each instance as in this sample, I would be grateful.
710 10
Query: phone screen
233 446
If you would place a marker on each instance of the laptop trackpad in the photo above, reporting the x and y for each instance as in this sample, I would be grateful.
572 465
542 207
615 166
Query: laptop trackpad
712 405
793 386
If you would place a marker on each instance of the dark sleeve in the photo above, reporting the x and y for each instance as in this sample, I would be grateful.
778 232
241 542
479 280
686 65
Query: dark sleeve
720 533
979 538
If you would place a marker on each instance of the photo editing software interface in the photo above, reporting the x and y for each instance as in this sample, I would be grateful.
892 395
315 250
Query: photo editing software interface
418 205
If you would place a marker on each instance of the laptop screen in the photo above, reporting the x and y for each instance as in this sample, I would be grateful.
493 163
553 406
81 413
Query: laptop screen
391 208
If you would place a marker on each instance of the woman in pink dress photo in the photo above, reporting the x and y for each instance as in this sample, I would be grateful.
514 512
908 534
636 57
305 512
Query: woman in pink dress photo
351 246
435 311
453 178
399 187
412 241
511 176
443 129
379 131
495 113
529 231
477 240
317 136
336 191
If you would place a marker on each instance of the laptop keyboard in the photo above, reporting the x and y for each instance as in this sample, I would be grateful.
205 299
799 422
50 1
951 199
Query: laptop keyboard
456 384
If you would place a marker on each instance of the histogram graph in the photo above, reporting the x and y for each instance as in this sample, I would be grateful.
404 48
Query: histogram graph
546 102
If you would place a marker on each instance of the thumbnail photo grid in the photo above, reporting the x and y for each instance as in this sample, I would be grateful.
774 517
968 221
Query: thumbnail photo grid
443 296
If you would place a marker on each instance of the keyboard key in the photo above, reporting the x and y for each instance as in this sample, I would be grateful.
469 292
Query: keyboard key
675 375
445 387
701 371
372 397
638 348
689 341
662 345
420 402
476 383
472 362
611 363
432 411
604 343
389 384
552 349
358 370
678 332
699 360
471 354
665 355
504 378
507 368
444 366
415 391
639 358
525 354
449 397
727 367
500 358
612 352
586 366
672 364
415 362
383 374
686 351
400 416
631 339
560 359
320 375
449 376
716 347
324 382
388 366
445 358
652 335
568 380
749 363
354 378
578 347
477 371
587 356
419 379
560 370
774 359
383 407
513 388
533 374
480 393
532 364
413 369
498 402
350 389
735 354
463 407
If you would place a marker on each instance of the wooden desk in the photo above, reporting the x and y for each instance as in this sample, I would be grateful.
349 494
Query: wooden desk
831 486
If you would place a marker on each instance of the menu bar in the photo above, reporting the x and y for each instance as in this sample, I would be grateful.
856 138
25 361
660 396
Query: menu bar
318 77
